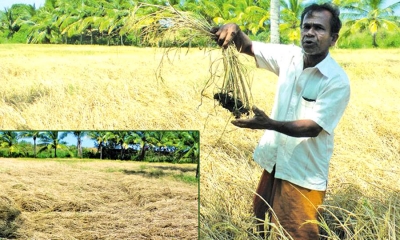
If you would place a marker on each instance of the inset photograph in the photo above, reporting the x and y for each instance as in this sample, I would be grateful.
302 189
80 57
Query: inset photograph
99 184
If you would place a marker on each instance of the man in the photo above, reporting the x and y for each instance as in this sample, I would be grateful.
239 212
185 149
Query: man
312 94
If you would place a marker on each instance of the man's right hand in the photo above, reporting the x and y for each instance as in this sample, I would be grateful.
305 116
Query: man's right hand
231 32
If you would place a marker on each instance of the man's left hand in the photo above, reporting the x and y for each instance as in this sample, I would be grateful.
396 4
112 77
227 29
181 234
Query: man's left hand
259 121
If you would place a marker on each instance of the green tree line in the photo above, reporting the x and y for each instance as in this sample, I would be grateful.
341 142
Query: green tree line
151 146
105 21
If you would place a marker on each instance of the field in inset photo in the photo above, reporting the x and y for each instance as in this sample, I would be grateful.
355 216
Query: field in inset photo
97 199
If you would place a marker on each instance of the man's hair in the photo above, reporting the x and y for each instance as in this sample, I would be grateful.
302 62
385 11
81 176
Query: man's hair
335 22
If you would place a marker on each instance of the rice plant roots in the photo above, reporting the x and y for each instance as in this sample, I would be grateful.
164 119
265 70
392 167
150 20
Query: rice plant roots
233 105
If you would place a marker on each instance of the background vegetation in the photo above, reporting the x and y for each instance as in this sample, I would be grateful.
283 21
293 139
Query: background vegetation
155 146
367 23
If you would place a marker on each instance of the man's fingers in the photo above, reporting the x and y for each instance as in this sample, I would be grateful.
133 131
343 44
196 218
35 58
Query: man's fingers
226 43
225 37
237 123
214 30
222 38
257 111
225 34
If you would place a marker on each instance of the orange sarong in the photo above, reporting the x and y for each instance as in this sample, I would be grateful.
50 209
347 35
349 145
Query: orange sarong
292 206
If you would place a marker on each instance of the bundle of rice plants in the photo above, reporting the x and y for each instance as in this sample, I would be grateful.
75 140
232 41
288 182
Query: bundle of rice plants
171 29
234 94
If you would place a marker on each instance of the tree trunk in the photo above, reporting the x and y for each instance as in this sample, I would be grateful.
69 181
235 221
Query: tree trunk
34 147
198 170
122 152
274 13
101 152
142 153
374 43
79 146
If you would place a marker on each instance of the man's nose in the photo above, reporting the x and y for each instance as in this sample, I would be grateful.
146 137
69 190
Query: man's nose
310 31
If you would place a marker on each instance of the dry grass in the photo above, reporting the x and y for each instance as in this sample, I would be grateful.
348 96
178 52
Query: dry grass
71 199
81 87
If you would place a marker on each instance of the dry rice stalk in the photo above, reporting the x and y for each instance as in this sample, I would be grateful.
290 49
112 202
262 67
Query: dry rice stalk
171 29
165 26
235 92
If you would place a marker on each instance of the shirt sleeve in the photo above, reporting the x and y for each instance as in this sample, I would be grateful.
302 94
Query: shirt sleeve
272 56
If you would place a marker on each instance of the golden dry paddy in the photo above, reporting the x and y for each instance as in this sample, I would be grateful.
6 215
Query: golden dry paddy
97 87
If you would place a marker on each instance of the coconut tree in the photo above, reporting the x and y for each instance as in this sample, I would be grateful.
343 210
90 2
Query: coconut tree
34 135
274 19
249 15
24 11
75 19
3 20
43 28
144 138
79 135
100 137
86 17
52 140
8 22
190 147
13 18
220 11
162 138
139 137
370 15
68 14
116 14
10 139
190 143
120 139
290 15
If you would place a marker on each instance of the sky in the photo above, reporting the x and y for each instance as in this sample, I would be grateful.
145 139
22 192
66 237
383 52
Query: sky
8 3
70 139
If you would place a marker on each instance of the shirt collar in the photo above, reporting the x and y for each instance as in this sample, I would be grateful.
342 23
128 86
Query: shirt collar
325 66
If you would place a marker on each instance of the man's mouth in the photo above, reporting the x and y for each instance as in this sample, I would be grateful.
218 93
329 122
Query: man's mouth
308 42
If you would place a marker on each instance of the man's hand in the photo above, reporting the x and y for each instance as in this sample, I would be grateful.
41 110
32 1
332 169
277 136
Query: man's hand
259 121
231 33
226 34
297 128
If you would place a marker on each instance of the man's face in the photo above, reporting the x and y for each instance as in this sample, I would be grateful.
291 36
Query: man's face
316 35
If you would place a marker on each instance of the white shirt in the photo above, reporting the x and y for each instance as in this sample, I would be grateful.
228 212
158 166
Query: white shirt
320 93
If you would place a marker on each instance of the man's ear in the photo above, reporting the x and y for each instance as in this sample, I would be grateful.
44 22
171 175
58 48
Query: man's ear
334 37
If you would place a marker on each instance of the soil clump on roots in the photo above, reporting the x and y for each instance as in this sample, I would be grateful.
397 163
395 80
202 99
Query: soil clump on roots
233 105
